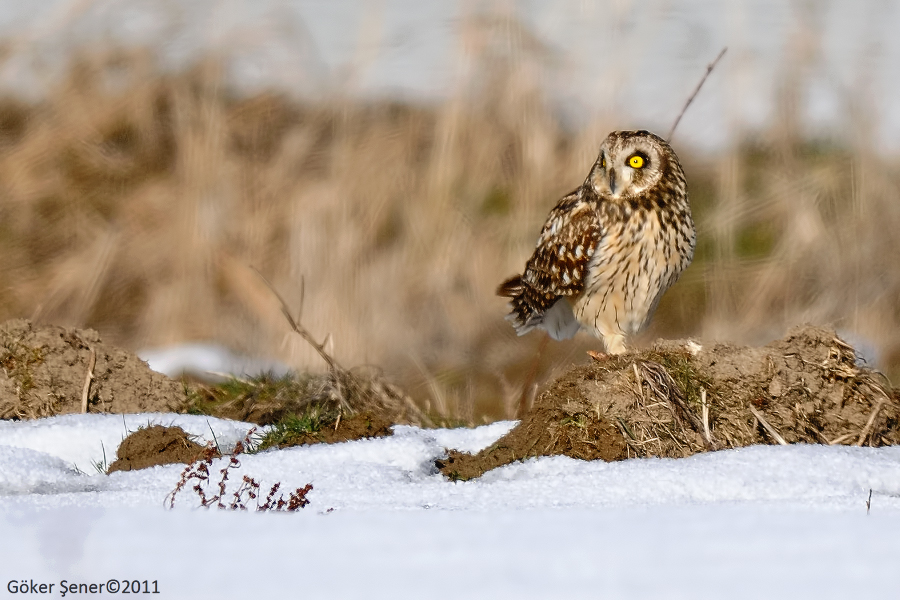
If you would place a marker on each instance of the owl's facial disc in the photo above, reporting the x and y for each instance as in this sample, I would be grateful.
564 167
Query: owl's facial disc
627 167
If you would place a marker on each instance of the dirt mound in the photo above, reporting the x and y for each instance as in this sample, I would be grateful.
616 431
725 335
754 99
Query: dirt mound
267 399
355 426
304 408
45 370
679 398
155 445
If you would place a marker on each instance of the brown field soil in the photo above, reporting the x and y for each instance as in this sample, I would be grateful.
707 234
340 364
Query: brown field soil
355 427
155 445
44 369
679 398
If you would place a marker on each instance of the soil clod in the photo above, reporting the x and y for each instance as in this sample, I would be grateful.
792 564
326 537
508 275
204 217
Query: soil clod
679 398
155 445
308 429
45 370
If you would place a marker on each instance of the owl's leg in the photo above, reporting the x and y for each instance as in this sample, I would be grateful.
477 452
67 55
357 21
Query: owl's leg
614 342
599 313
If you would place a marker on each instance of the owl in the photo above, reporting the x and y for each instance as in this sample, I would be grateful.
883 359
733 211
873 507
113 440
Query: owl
610 248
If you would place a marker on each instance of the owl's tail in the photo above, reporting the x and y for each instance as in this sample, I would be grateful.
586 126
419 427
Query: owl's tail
522 316
531 308
512 287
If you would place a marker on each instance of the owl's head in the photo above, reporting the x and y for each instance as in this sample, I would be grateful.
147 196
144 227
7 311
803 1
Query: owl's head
632 163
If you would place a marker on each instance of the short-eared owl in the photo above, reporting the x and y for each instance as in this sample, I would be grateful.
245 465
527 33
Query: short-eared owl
609 249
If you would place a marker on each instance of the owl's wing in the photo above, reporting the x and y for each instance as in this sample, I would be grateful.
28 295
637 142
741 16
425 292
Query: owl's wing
559 265
564 249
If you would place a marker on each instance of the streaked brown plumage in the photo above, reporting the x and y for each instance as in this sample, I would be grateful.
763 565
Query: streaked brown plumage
611 248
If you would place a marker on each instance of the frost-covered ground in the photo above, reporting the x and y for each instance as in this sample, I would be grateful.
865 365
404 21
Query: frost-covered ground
784 522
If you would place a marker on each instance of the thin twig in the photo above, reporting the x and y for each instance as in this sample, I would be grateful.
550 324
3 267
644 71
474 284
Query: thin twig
865 431
298 328
522 407
869 502
628 436
89 376
840 439
302 298
665 387
705 407
637 379
233 377
772 431
709 69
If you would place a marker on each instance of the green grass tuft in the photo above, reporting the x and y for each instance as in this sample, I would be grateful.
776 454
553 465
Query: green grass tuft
292 428
264 398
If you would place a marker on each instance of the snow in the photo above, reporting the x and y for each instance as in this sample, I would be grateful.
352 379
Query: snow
766 521
206 359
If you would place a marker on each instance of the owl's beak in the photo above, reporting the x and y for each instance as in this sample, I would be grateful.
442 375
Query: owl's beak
612 182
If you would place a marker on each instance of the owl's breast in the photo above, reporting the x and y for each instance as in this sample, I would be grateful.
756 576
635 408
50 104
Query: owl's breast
638 257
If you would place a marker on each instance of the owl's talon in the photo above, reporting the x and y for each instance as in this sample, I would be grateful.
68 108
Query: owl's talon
598 356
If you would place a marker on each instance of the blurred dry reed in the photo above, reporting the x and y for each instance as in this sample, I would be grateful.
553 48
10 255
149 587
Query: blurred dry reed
136 201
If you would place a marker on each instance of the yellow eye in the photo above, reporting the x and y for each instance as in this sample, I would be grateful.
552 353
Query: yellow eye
602 163
636 162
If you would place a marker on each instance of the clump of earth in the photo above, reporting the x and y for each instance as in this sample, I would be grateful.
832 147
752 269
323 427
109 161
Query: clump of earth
155 445
678 398
50 370
356 426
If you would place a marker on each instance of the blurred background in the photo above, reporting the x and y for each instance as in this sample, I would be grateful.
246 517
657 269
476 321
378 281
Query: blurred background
385 164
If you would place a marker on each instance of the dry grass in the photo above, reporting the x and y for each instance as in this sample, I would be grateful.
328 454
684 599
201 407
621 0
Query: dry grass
136 202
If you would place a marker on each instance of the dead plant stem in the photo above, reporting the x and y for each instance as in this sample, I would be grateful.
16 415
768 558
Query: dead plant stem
865 432
88 377
709 70
333 366
772 431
